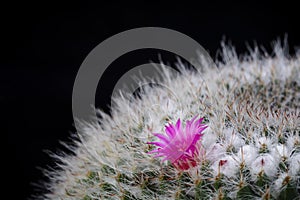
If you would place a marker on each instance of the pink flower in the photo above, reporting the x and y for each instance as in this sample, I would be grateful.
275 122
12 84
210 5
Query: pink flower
179 144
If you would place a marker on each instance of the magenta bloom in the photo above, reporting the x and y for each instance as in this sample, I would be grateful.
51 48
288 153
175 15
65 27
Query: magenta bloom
179 144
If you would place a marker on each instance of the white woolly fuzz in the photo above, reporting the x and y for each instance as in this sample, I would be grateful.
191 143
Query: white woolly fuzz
227 166
264 164
294 162
248 154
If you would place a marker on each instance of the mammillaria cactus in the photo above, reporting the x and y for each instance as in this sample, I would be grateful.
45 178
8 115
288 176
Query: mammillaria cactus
247 146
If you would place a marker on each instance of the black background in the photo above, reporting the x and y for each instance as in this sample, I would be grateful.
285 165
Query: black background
44 45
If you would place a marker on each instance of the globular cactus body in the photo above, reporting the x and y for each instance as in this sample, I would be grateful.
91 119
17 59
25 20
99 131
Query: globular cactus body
250 150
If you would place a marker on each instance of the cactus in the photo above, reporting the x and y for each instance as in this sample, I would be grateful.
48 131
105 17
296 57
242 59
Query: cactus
249 150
